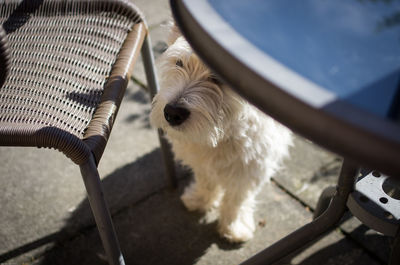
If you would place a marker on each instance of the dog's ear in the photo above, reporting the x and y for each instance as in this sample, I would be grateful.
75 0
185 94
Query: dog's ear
174 32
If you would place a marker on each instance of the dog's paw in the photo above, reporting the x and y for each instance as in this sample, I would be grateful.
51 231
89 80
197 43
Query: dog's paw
192 203
203 200
238 231
192 200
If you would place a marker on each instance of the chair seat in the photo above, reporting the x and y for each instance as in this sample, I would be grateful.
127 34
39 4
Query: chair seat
61 69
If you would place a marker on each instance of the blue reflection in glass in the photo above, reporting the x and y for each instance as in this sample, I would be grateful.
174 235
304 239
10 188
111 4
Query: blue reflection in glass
351 47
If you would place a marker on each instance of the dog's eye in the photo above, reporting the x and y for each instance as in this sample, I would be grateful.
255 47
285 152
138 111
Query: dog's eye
179 63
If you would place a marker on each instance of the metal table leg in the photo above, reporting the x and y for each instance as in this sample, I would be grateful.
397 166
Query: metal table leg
313 230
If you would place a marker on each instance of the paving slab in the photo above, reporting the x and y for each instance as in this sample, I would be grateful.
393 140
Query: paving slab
375 243
154 227
155 12
159 230
158 36
308 173
158 15
311 171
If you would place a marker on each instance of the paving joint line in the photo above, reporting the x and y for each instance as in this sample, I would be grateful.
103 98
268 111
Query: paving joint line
371 254
85 230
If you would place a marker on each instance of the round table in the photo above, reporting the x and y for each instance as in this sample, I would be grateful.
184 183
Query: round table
329 70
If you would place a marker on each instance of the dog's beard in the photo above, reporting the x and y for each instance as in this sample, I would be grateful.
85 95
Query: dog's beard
191 85
205 123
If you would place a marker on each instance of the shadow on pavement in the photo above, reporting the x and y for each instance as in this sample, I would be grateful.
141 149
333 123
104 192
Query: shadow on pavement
341 252
153 226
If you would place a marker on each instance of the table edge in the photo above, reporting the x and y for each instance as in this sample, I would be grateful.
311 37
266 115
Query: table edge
371 148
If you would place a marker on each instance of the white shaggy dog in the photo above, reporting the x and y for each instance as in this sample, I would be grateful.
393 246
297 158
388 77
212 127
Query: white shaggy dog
232 148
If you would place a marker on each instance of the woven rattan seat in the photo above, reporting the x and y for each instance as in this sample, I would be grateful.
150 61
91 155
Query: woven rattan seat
62 57
64 67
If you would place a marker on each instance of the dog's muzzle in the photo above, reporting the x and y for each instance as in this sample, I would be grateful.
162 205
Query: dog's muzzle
175 115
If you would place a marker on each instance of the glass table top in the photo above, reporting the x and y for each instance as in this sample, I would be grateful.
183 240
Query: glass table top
349 47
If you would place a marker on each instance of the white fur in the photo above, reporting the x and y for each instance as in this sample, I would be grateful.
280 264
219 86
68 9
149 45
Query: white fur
231 146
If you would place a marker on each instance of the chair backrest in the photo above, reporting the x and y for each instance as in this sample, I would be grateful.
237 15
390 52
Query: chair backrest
69 65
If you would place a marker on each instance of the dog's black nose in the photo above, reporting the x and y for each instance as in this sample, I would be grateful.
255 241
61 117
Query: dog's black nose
175 115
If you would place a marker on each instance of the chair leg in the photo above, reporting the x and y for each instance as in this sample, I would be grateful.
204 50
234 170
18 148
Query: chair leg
148 62
100 211
317 227
168 158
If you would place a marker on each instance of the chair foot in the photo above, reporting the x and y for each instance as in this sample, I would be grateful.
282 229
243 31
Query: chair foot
100 211
148 63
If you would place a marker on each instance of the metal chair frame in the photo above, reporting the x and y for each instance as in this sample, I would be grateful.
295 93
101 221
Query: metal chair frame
85 150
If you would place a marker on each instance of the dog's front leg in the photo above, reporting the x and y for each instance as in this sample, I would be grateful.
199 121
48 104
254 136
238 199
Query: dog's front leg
202 194
236 221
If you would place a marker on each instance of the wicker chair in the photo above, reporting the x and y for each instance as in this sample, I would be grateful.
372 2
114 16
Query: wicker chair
64 67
